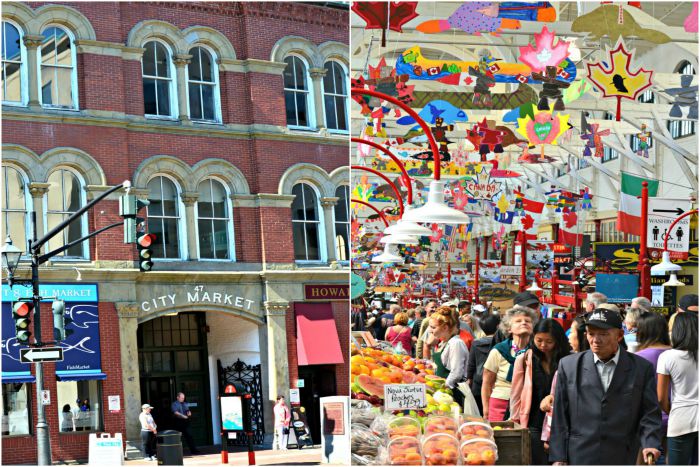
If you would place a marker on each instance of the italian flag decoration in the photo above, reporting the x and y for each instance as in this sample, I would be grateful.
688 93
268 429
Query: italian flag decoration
629 216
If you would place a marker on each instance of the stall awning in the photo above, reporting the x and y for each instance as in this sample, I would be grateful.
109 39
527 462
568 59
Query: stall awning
17 377
79 375
317 336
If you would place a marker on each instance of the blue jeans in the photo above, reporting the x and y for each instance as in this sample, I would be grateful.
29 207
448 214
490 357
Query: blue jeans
683 450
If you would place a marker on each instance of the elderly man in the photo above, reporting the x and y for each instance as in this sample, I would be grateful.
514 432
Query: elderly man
605 405
594 300
641 303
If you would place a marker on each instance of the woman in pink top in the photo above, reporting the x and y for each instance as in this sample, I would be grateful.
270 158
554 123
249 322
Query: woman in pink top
399 335
282 417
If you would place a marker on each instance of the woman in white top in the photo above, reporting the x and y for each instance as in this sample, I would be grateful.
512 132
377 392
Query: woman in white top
678 367
148 432
451 355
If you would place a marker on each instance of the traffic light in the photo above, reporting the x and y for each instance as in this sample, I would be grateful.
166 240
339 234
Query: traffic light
129 207
60 321
22 316
144 244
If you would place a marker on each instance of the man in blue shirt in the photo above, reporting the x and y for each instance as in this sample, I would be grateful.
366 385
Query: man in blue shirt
182 414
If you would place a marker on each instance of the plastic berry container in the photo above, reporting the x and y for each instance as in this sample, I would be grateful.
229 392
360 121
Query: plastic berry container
404 450
404 426
479 451
440 449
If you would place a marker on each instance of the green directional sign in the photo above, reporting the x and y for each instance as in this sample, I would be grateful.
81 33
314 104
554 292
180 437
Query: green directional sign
357 286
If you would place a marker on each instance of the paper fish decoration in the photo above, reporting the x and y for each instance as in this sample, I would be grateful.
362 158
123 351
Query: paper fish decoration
437 109
616 78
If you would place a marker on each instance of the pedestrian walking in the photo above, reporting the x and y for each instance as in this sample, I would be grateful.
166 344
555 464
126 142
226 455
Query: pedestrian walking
678 370
605 405
148 432
478 355
282 418
182 416
399 334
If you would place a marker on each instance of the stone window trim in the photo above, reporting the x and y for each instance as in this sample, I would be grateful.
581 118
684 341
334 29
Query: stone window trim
230 230
83 221
185 202
175 62
320 223
345 93
75 104
311 79
215 85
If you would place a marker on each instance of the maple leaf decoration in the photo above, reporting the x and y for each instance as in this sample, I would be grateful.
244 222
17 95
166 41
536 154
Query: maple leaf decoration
528 222
437 233
546 53
570 219
616 79
375 15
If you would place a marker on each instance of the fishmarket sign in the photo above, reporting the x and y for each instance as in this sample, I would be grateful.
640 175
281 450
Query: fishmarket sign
197 296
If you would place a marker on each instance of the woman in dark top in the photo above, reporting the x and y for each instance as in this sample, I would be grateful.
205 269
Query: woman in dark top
478 355
532 381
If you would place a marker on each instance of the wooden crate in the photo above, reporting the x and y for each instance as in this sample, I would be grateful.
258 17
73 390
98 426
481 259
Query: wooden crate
513 444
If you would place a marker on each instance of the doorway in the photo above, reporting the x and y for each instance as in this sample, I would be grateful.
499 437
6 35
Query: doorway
319 381
172 359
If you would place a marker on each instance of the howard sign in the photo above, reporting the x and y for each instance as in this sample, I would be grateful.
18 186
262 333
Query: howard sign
326 293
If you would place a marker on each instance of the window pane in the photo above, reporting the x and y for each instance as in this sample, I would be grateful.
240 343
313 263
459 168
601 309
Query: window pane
301 109
208 101
71 189
154 196
289 73
221 239
289 101
149 97
162 59
341 207
299 73
339 79
181 361
14 192
46 85
329 102
12 88
79 405
169 197
218 199
48 47
299 242
63 49
149 59
340 108
193 358
206 239
328 81
310 202
64 87
16 227
171 238
195 102
207 73
312 240
52 221
10 46
163 90
15 409
73 232
193 68
298 203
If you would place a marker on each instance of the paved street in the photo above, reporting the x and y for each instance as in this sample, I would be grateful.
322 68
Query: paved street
266 457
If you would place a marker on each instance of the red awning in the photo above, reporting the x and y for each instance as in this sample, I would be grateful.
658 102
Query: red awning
317 336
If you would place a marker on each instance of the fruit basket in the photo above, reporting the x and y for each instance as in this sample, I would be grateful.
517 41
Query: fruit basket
440 424
471 430
479 451
404 450
440 449
404 426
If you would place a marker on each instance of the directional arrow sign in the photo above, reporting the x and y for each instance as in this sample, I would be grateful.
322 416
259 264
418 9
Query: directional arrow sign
677 211
662 213
46 354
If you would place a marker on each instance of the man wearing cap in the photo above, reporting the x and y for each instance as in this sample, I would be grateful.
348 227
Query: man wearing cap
605 405
527 299
148 432
686 303
430 306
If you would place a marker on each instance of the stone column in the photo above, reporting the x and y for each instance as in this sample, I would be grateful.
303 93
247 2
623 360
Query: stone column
38 190
32 43
277 358
189 198
317 75
128 325
181 62
328 205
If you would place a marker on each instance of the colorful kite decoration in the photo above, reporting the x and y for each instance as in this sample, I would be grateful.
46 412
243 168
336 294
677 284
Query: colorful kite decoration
544 128
616 78
593 137
385 15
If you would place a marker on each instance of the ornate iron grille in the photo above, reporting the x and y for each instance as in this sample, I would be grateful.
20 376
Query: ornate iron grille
250 377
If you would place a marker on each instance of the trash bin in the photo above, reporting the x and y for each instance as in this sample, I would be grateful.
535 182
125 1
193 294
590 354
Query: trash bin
169 448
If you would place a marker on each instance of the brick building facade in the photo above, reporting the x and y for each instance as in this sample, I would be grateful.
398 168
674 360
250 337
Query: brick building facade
230 118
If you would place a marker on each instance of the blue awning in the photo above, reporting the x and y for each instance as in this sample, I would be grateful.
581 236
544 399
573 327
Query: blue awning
79 375
17 377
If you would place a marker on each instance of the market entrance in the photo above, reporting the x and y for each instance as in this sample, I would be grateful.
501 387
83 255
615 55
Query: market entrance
172 359
319 381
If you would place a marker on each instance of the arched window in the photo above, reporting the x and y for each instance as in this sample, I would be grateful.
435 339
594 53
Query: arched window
64 197
158 83
202 86
335 97
297 98
164 217
342 223
306 223
15 203
13 70
683 128
213 221
59 81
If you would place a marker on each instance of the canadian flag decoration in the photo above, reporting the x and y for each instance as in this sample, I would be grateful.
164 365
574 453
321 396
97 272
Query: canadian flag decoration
531 218
571 228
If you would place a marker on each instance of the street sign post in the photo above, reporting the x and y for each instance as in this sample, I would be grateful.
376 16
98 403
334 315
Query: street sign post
45 354
662 213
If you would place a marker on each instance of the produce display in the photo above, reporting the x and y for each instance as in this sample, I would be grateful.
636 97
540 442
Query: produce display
440 449
404 426
404 450
440 424
479 451
471 430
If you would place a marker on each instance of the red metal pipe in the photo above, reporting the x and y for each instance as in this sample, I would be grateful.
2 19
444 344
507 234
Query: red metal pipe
643 264
426 129
523 261
381 214
477 264
402 167
386 179
689 213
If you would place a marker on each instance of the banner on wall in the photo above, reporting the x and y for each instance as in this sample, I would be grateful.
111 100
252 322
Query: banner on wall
625 255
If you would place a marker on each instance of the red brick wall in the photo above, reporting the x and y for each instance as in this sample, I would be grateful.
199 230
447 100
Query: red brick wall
69 446
341 313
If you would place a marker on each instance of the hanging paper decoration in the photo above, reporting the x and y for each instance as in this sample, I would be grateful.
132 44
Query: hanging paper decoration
482 186
363 191
491 17
616 78
544 128
486 137
551 89
603 21
437 109
644 138
384 79
531 220
385 15
545 53
691 22
485 79
594 140
571 228
686 96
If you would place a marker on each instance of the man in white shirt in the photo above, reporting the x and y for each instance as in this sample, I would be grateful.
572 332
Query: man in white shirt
148 432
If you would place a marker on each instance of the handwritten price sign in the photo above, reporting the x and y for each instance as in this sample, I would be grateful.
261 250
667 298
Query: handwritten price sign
404 396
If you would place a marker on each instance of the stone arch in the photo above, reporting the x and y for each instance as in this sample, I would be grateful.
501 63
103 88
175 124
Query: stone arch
222 169
76 159
19 13
196 35
65 16
25 159
312 174
199 307
334 51
166 165
340 176
156 29
298 45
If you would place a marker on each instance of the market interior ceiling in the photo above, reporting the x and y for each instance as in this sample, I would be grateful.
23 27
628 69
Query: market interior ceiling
455 44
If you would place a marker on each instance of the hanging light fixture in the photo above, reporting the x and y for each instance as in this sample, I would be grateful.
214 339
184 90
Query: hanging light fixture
404 227
673 281
435 211
665 266
534 287
396 239
388 256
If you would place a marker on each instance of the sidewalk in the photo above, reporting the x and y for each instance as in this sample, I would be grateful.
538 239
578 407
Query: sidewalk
306 456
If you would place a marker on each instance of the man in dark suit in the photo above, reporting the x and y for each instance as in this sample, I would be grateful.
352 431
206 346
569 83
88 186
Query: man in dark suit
605 405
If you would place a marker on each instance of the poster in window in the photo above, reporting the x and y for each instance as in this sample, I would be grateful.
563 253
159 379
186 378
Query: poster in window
231 413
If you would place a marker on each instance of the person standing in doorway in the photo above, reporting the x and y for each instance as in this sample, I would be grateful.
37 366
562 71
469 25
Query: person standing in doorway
282 418
182 414
148 433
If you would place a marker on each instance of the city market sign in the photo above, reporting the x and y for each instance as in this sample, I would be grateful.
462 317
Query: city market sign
325 293
197 296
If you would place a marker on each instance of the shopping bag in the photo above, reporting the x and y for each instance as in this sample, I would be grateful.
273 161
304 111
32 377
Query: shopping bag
470 407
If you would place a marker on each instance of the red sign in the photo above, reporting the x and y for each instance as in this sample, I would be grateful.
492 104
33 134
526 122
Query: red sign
561 248
327 292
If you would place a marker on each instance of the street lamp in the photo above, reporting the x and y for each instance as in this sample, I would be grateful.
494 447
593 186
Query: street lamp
10 258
